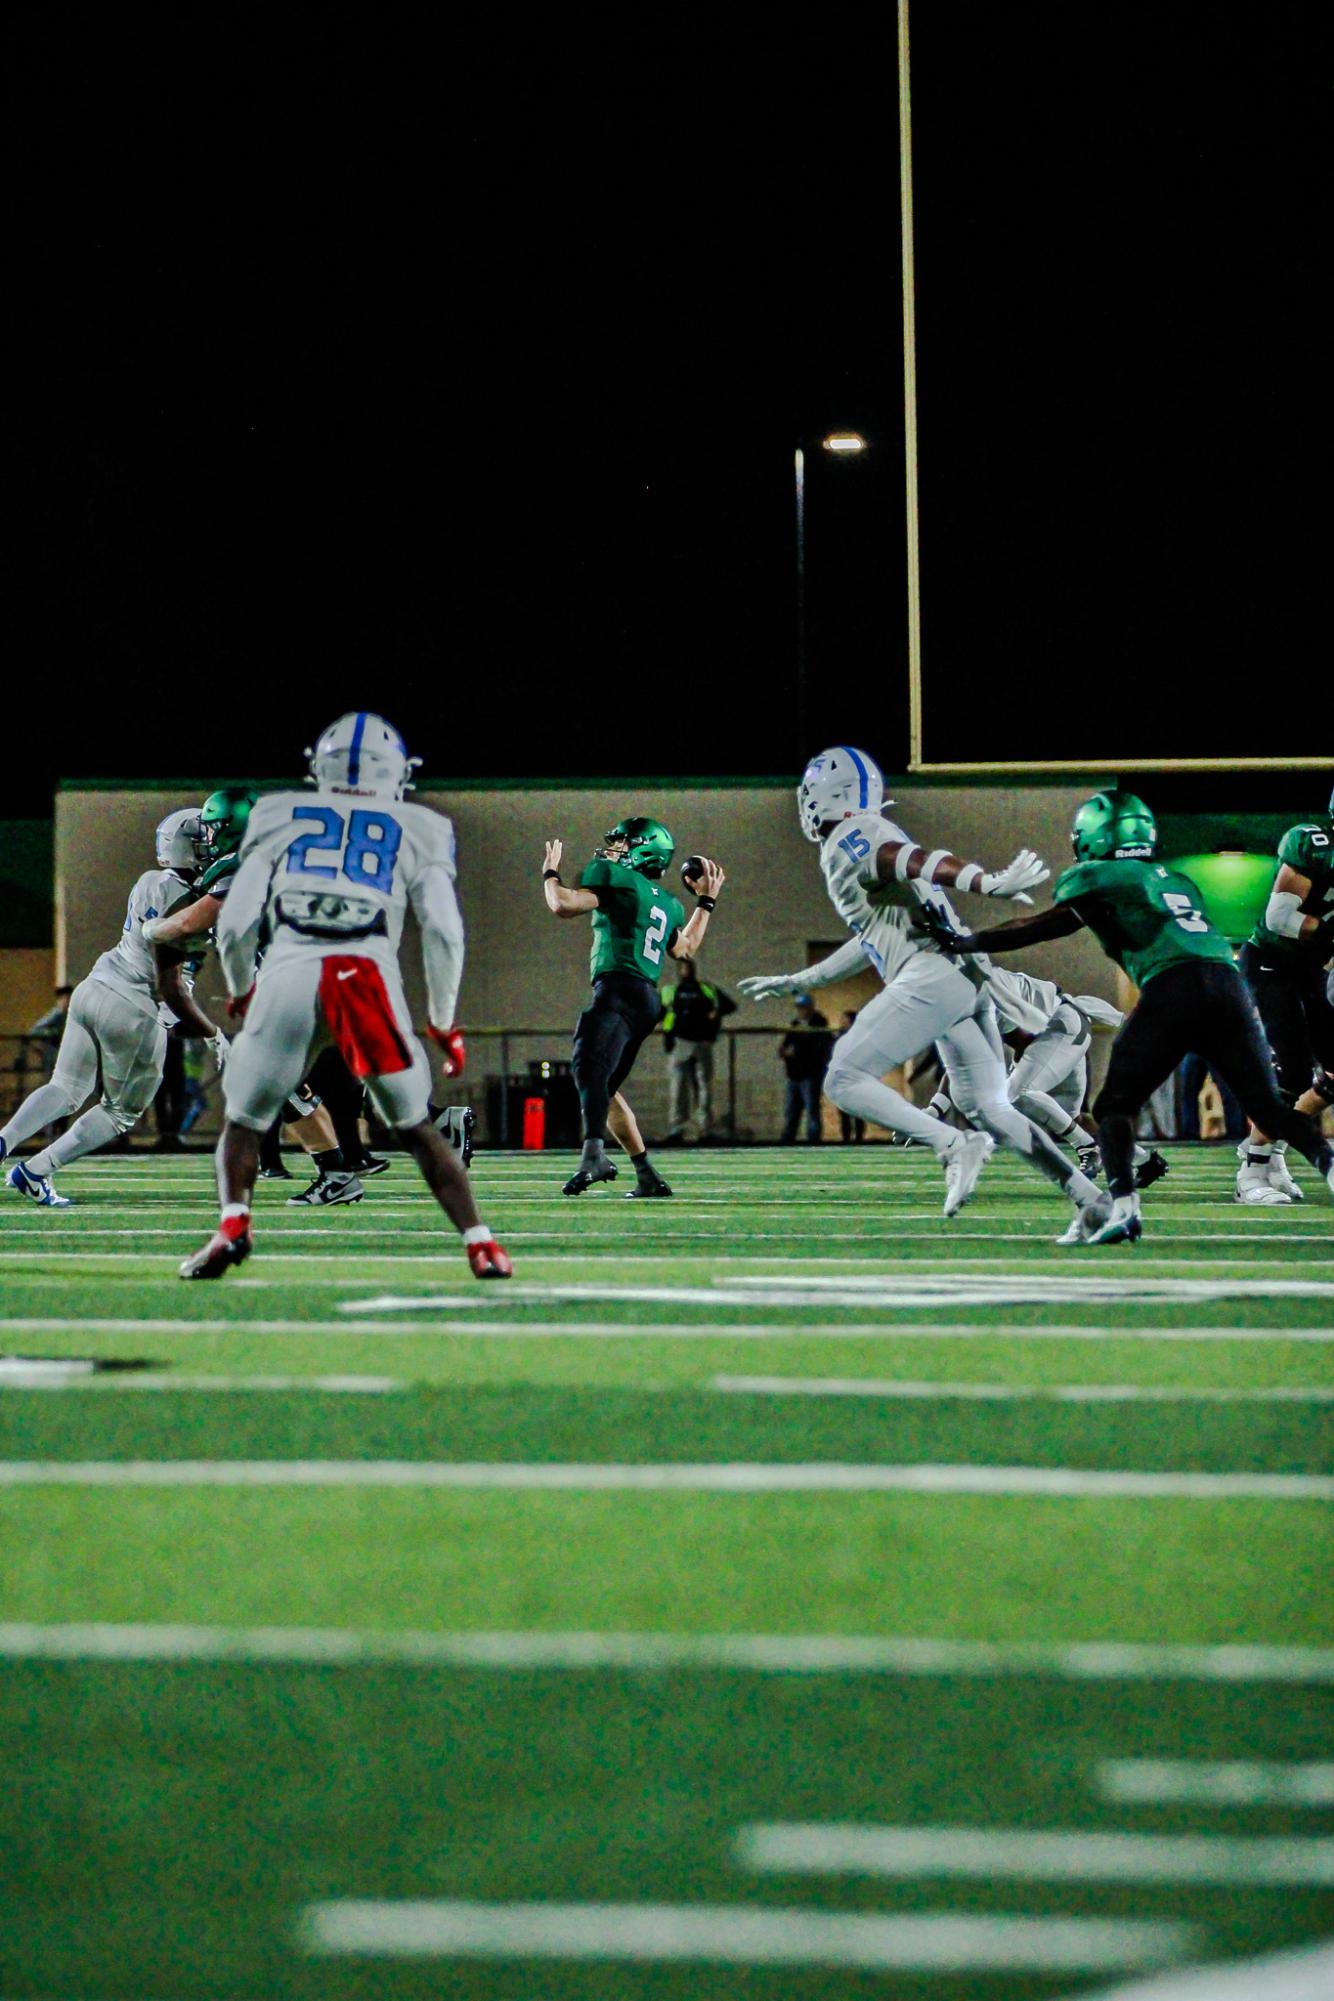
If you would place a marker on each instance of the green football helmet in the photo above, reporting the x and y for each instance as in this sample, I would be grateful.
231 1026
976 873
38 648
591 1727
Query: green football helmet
642 844
224 817
1114 826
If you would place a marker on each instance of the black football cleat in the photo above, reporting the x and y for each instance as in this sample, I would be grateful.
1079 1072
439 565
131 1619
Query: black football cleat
1150 1170
585 1177
370 1164
231 1246
642 1192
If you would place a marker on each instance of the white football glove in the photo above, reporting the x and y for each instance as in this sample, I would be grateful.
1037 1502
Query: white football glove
767 986
1026 871
221 1050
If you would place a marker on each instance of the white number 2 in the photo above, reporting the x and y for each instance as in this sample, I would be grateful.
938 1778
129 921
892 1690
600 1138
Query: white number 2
1184 911
653 937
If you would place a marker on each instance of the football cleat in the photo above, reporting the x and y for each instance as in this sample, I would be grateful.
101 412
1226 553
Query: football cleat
278 1173
369 1165
1090 1160
489 1260
585 1177
963 1161
1085 1221
1280 1177
642 1193
456 1124
326 1190
1150 1170
37 1187
1255 1188
1120 1226
231 1246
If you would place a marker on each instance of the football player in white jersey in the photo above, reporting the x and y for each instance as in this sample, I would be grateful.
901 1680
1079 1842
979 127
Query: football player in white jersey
877 879
1049 1080
116 1029
328 877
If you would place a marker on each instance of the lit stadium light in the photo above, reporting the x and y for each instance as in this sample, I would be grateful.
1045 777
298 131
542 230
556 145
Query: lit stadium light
845 443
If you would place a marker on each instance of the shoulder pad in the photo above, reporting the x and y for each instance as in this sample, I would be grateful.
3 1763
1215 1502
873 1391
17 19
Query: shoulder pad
1075 882
1305 846
217 872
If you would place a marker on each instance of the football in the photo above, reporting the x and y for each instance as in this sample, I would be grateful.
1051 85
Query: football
692 868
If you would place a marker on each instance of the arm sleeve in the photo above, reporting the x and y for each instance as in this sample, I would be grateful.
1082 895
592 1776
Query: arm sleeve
840 965
240 920
437 911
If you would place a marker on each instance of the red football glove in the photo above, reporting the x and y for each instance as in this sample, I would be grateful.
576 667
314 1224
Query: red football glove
451 1041
237 1005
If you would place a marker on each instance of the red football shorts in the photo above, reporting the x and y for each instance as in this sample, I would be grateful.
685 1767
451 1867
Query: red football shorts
361 1017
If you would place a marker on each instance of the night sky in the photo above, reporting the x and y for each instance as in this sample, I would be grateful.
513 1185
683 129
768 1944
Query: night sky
459 372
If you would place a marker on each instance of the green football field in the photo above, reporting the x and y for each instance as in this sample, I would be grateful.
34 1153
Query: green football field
773 1593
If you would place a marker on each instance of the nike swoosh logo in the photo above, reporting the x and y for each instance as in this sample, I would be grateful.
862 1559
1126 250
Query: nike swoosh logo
349 976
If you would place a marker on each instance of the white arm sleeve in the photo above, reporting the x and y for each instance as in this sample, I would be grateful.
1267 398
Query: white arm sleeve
438 914
1283 914
840 965
240 920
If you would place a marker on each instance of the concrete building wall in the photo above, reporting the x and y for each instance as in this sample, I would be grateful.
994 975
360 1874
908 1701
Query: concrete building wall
526 971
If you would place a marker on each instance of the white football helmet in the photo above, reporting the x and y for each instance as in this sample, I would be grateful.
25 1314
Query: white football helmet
362 753
179 841
835 785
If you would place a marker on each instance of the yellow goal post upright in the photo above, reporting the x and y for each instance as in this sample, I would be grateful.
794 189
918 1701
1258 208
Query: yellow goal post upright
917 760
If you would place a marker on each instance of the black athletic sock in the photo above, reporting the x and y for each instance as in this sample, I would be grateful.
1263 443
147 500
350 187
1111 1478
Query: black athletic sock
330 1161
1116 1143
270 1146
592 1154
646 1174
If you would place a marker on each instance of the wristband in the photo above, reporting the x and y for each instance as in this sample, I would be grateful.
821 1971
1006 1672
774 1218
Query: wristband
706 902
551 875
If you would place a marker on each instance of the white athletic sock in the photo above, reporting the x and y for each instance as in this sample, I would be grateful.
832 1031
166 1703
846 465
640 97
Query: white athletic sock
478 1234
230 1209
94 1129
41 1108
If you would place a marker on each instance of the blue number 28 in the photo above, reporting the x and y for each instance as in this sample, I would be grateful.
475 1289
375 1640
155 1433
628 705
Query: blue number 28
373 842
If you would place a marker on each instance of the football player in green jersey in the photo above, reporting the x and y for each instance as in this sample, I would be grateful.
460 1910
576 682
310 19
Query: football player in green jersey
1284 962
1148 918
635 920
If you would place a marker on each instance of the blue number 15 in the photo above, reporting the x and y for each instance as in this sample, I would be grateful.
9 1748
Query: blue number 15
373 842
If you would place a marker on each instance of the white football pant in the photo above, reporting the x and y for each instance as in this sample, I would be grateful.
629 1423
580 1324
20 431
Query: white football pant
932 1000
1050 1081
268 1058
107 1038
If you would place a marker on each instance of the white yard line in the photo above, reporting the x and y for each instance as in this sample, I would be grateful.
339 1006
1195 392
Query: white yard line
1304 1975
18 1375
870 1386
632 1653
734 1935
1059 1855
1201 1782
725 1477
911 1330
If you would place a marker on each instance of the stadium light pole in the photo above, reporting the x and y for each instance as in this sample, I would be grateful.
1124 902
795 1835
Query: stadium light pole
839 445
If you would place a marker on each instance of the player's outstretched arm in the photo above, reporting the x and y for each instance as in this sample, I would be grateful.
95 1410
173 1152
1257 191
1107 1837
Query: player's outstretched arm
563 902
436 908
188 920
840 965
690 937
240 922
897 863
1059 922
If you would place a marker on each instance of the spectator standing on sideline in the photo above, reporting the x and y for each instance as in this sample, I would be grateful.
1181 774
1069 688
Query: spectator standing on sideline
805 1053
693 1013
849 1127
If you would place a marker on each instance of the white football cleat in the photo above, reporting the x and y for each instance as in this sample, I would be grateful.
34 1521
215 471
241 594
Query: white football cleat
1280 1177
1121 1225
1086 1220
963 1161
1255 1187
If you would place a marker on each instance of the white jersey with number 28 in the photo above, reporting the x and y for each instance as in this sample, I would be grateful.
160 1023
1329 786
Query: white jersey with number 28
327 871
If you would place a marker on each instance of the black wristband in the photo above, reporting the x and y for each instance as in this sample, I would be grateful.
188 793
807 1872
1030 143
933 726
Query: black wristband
551 875
706 902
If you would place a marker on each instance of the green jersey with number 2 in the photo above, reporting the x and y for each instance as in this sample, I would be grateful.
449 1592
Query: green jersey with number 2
1145 915
1309 850
635 922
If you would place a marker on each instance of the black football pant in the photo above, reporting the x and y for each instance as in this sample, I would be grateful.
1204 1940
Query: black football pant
344 1097
1298 1019
608 1036
1203 1006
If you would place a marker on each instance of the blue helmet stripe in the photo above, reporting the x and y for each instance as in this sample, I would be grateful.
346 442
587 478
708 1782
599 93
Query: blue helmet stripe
354 751
861 774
